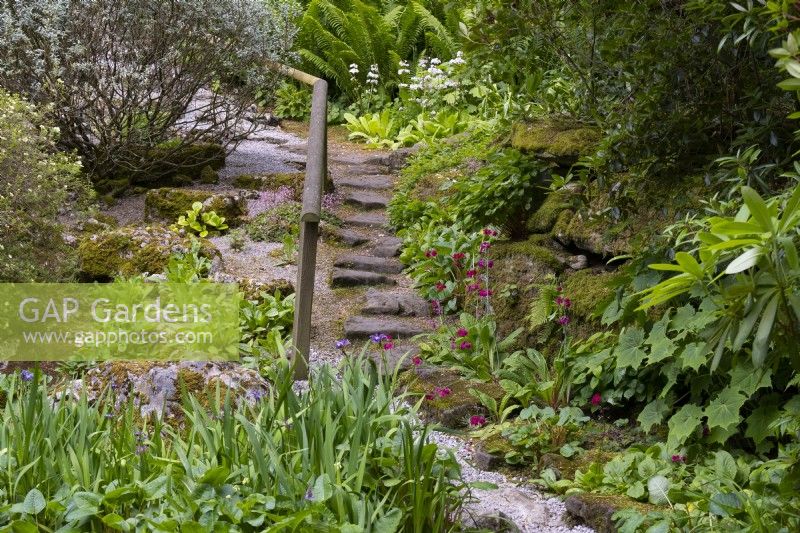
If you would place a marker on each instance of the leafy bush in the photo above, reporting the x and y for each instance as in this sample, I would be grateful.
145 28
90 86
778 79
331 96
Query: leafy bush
274 224
119 93
201 222
292 102
262 318
238 467
36 185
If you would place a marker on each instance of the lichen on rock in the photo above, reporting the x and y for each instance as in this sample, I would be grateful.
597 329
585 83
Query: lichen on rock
556 139
167 204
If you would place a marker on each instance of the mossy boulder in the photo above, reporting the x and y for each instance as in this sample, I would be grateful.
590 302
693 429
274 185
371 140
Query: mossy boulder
587 289
454 409
275 180
173 158
596 510
168 204
546 215
129 251
208 175
555 139
156 388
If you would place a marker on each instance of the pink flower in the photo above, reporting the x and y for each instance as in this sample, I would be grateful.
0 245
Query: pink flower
466 345
462 332
487 232
440 286
429 396
416 360
431 253
485 293
471 273
596 398
559 300
482 263
567 303
388 346
490 264
477 421
563 320
442 391
485 245
436 307
678 458
458 256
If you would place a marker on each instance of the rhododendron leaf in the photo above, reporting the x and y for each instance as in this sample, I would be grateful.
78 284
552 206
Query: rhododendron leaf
683 424
723 411
653 413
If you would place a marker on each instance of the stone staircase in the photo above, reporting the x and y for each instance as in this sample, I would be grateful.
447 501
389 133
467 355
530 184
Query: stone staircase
390 304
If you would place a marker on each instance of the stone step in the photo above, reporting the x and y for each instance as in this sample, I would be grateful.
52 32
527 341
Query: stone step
366 169
385 302
388 360
387 247
361 327
376 219
348 236
377 182
368 263
343 277
366 199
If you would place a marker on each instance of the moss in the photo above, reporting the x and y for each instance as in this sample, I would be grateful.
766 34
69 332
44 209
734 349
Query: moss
544 218
168 204
181 180
555 138
275 180
533 248
247 181
130 251
208 175
596 510
587 289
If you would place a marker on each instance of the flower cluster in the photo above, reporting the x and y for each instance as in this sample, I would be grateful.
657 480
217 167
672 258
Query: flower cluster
477 421
562 303
432 79
341 344
331 201
269 200
596 398
385 341
678 458
441 392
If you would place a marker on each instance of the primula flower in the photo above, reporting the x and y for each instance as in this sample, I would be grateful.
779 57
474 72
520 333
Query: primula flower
388 346
678 458
564 320
436 307
430 396
416 360
26 375
477 421
487 232
462 332
440 286
442 391
485 245
596 398
485 293
431 253
459 256
342 344
559 288
567 303
471 273
482 263
559 300
465 345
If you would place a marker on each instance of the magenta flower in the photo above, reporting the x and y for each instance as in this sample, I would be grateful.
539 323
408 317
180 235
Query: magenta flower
678 458
563 320
462 332
485 245
429 396
436 307
440 286
388 345
458 256
442 391
567 303
466 345
559 300
487 232
596 398
559 288
431 253
485 293
474 287
477 421
416 360
471 273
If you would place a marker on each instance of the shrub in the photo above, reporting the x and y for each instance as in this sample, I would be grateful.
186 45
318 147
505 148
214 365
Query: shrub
120 93
36 184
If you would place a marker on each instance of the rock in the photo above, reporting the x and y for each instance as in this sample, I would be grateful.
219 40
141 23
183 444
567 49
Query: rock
395 303
593 510
172 159
347 236
578 262
524 513
499 522
355 278
360 327
366 170
131 250
377 181
156 387
167 204
559 141
388 247
485 460
369 220
274 180
366 199
368 263
208 175
397 159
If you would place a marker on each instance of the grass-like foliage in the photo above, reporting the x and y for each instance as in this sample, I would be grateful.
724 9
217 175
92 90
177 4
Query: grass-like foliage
342 456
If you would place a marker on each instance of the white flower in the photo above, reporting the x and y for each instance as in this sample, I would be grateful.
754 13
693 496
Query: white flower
435 61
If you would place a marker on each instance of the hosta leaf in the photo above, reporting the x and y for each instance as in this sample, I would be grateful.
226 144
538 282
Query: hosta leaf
723 411
724 504
683 424
653 414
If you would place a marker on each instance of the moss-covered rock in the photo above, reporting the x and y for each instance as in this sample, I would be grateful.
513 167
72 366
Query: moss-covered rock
173 158
275 180
587 289
168 204
555 139
129 251
452 410
208 175
596 510
545 216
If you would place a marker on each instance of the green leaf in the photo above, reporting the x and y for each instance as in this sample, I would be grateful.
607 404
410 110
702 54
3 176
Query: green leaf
745 261
724 504
636 490
759 422
791 84
652 414
682 424
761 342
725 465
689 264
388 523
758 208
694 355
658 490
723 411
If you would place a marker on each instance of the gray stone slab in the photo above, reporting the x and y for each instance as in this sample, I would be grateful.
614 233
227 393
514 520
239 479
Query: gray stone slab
366 199
377 181
368 263
368 220
360 327
388 247
395 303
342 277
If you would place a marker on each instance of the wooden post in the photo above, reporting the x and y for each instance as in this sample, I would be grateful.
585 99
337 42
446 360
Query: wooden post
316 173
